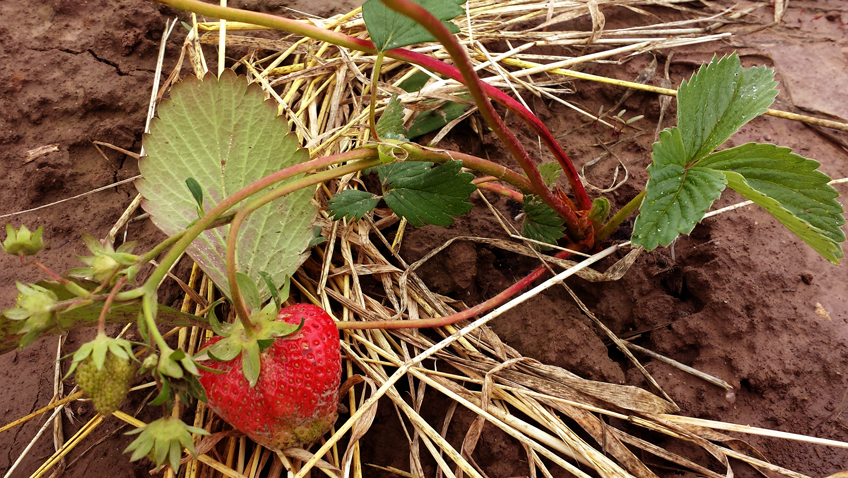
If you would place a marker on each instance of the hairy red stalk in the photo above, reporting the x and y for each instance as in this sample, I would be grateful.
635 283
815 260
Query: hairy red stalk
465 314
101 322
484 183
336 38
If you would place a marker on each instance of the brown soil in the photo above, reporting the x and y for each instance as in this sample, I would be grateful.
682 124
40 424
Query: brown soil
736 300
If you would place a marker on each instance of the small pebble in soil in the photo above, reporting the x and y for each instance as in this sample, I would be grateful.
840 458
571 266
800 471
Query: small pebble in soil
807 278
730 396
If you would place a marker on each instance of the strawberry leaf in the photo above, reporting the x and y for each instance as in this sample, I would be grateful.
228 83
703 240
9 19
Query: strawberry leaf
390 123
718 99
419 193
435 119
196 192
790 188
222 133
677 196
541 223
389 29
352 204
550 173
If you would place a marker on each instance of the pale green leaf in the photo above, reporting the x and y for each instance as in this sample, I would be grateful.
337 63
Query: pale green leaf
352 204
550 172
541 223
420 194
790 187
389 29
223 134
677 197
390 123
435 119
718 99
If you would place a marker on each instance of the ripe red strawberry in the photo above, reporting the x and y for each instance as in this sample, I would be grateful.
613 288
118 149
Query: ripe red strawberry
294 401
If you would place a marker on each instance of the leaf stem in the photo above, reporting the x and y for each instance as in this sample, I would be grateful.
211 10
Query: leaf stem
619 217
191 233
484 183
101 321
269 196
419 153
340 39
372 108
454 318
460 58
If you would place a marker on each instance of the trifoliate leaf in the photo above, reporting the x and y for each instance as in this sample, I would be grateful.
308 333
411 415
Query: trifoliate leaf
541 223
550 172
718 99
222 133
420 194
352 204
390 123
677 196
389 29
789 187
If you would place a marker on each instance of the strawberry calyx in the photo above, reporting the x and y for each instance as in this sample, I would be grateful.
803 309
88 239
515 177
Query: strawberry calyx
98 349
163 441
237 340
107 263
23 242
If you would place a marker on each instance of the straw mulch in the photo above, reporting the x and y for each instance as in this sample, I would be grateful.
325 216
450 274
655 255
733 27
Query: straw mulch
323 91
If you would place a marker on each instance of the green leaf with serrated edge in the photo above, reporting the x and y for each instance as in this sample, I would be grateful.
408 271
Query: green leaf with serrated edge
389 29
718 99
248 290
541 223
815 237
676 197
351 204
251 362
550 172
419 193
196 191
435 119
391 121
225 135
790 179
271 288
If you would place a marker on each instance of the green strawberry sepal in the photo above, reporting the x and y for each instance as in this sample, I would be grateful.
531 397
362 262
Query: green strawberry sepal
23 242
163 441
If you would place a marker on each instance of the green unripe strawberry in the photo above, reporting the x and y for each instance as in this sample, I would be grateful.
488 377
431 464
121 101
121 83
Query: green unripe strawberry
105 368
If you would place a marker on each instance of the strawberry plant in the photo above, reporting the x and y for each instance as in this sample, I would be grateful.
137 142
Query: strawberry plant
232 188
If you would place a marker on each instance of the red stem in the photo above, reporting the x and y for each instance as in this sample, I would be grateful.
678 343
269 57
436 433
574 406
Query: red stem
460 58
452 319
101 323
483 183
336 38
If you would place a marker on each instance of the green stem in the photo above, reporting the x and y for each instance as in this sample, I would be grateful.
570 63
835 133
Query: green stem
619 217
372 108
269 196
419 153
164 245
147 305
460 59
